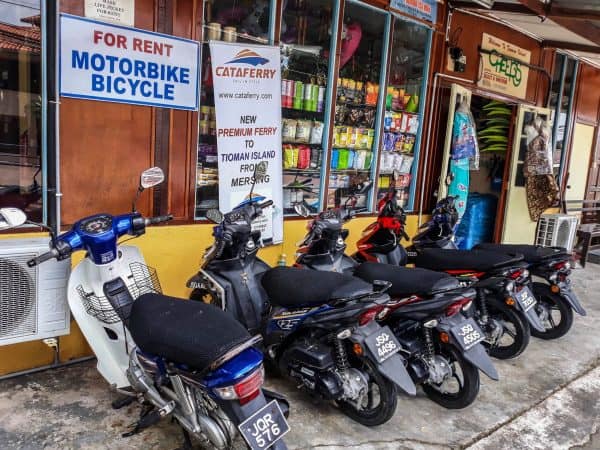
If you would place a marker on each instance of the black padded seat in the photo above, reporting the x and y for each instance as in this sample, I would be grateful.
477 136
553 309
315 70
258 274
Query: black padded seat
406 282
532 253
293 287
477 260
184 331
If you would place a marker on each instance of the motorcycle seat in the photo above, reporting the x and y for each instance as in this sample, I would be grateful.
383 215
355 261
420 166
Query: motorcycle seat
184 331
476 260
532 253
405 281
292 287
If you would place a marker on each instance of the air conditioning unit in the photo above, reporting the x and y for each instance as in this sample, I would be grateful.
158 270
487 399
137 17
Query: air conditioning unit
33 300
557 230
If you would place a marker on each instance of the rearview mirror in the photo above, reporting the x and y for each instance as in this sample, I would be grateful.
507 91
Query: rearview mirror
214 215
11 218
151 177
302 210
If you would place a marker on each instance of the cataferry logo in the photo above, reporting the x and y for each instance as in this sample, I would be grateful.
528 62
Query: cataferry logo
248 56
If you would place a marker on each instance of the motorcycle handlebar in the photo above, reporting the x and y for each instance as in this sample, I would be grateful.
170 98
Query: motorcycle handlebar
158 219
43 257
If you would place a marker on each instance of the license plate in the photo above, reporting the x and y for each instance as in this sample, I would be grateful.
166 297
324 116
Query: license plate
382 344
525 298
467 334
265 427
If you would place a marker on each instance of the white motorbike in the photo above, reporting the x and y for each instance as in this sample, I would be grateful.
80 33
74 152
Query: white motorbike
178 358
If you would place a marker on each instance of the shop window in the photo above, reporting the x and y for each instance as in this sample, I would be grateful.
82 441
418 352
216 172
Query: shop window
232 21
357 108
21 150
562 92
305 48
402 117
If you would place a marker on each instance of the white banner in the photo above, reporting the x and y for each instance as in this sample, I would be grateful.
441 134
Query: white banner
100 61
247 91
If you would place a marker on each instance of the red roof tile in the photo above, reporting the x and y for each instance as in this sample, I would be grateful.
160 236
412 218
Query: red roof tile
17 38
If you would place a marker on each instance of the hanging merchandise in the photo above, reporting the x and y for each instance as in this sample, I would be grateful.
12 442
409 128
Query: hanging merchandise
459 184
493 136
540 184
464 137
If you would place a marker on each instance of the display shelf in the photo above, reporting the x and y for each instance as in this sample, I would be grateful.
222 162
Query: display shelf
301 171
301 143
349 170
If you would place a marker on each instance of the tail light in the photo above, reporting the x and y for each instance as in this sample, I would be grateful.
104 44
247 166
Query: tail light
376 312
454 308
515 274
244 390
562 265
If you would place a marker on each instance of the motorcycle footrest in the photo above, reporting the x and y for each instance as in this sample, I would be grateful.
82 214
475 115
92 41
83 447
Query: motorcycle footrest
146 421
122 401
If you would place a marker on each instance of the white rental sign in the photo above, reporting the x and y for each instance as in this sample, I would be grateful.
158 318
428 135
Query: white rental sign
118 11
247 91
99 61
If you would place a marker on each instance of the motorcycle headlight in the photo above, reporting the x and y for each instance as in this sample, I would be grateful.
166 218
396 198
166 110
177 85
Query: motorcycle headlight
509 286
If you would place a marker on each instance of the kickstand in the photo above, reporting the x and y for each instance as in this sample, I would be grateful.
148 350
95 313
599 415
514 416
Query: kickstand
148 417
187 441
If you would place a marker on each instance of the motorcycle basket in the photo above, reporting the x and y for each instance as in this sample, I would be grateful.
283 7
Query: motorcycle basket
143 280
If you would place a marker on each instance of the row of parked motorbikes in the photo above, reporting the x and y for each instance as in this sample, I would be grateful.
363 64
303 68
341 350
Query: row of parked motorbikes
350 330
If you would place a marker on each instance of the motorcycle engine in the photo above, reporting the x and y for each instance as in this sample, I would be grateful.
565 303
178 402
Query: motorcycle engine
439 369
356 386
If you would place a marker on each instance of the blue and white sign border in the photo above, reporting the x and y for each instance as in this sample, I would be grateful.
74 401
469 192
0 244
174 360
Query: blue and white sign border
131 102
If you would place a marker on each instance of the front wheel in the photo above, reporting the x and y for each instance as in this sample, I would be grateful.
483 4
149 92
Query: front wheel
556 314
461 388
378 405
508 331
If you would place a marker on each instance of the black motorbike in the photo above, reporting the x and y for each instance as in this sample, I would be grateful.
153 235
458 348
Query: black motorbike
318 328
556 300
443 348
504 303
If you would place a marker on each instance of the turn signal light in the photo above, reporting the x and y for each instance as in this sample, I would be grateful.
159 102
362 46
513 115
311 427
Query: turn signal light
357 348
444 337
555 289
510 301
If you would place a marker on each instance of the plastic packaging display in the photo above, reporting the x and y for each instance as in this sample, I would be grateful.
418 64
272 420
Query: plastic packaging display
478 221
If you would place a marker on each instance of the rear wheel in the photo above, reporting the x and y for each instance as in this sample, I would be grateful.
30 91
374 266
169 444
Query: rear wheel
514 332
461 388
556 314
379 404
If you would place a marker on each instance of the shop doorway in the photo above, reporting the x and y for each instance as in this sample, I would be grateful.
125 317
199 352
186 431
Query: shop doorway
490 186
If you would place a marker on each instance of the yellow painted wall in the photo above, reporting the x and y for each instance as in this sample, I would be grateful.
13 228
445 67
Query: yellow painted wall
175 251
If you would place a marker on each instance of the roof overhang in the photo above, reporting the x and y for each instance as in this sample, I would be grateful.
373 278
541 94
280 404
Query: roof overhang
572 26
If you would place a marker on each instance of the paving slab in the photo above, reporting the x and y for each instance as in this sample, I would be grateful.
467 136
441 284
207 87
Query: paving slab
69 408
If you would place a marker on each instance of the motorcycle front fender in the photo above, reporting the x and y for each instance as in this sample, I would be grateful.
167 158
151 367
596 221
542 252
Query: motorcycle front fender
571 298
